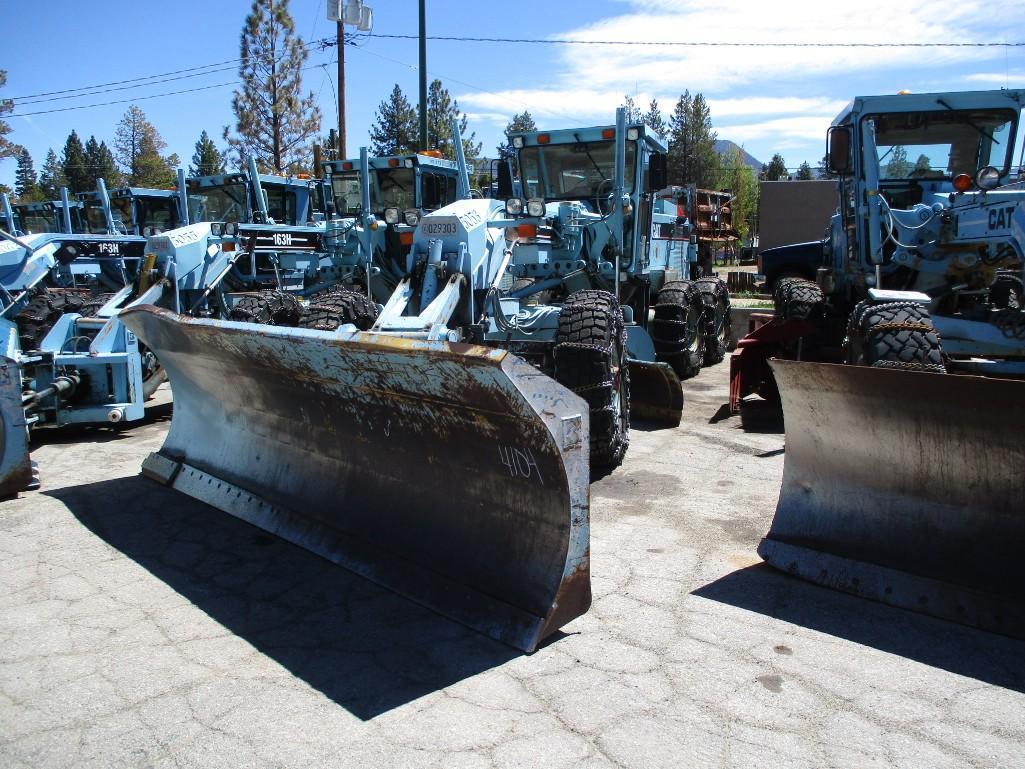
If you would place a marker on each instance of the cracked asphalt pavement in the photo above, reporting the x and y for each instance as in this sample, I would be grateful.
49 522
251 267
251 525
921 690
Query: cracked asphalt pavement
140 628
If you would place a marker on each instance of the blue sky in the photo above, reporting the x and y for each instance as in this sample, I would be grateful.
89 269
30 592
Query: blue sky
767 99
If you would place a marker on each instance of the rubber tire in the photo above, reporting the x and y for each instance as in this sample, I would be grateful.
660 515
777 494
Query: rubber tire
870 343
718 323
41 313
90 308
270 308
1007 292
590 359
339 306
678 330
799 298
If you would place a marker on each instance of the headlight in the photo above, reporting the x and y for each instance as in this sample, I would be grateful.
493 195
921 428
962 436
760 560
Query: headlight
412 217
514 206
231 229
216 229
518 142
988 178
391 216
535 207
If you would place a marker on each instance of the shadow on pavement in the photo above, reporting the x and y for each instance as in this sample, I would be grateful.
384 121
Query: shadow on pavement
990 658
367 649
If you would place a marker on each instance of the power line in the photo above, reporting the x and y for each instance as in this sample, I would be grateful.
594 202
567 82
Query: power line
140 98
120 82
700 44
24 102
137 82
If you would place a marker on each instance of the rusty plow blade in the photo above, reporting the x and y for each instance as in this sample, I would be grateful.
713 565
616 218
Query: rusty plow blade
655 392
455 475
905 487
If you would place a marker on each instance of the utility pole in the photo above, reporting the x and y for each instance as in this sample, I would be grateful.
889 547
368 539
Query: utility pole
423 75
354 13
341 90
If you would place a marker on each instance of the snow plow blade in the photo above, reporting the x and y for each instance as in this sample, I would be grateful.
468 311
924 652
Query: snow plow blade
655 392
15 464
455 475
905 487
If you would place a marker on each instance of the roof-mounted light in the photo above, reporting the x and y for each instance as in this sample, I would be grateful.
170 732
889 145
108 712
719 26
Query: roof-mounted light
544 138
608 133
517 142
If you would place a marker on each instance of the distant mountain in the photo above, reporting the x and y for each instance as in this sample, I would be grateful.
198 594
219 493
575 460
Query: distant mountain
725 145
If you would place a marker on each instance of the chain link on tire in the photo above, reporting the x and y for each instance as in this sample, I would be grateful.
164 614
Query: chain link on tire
798 298
678 330
718 324
336 307
43 311
1007 292
893 335
270 308
590 360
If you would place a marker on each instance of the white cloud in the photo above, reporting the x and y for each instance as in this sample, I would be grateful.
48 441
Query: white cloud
714 68
804 128
770 105
1010 79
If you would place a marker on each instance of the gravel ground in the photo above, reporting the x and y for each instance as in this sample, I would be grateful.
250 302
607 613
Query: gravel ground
139 628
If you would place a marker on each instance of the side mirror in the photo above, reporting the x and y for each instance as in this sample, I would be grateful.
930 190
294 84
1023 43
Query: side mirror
838 149
658 172
505 183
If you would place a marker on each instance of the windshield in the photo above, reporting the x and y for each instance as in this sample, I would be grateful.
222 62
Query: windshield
938 145
96 222
37 220
345 188
392 188
158 213
573 171
217 204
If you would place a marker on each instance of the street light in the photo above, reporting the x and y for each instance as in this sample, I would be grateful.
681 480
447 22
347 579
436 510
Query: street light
357 15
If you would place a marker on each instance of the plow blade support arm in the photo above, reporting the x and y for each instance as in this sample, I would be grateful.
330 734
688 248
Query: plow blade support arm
455 475
905 487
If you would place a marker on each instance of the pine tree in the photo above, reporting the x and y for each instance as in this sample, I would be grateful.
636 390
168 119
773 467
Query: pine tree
679 140
519 123
138 146
273 121
73 163
704 160
822 169
100 162
51 177
395 130
898 166
804 172
738 177
8 149
26 186
775 170
654 120
207 160
442 111
633 113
